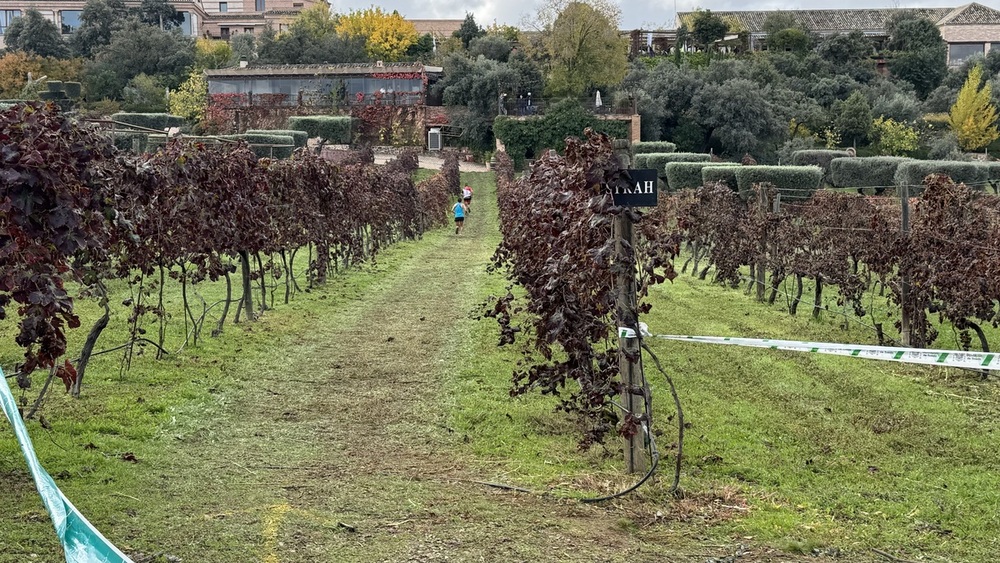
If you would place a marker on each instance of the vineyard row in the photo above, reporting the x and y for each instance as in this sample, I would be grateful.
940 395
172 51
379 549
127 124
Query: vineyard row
947 259
75 209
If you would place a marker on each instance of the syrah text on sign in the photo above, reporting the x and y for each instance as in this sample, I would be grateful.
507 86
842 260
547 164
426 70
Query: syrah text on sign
637 189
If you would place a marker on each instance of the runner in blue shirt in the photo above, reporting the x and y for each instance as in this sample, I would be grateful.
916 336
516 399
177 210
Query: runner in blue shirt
459 210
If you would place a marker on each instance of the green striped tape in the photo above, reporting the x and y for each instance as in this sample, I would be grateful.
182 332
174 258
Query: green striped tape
81 541
944 358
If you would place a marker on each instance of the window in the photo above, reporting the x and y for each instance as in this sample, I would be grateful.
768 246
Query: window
259 5
282 27
296 4
958 52
6 17
69 20
186 24
223 7
995 47
224 32
248 30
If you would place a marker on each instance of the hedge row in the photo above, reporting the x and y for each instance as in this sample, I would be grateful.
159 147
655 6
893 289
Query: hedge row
913 172
886 171
659 160
795 182
865 172
684 175
158 121
135 141
299 137
818 157
645 147
257 142
331 129
724 174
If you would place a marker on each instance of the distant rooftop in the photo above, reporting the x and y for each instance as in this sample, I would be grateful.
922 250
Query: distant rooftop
321 69
832 21
441 29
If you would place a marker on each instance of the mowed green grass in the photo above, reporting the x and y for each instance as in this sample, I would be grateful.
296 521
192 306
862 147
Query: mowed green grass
835 451
787 451
812 452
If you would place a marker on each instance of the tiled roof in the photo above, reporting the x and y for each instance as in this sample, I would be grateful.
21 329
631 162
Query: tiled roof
828 20
319 70
863 19
437 28
972 14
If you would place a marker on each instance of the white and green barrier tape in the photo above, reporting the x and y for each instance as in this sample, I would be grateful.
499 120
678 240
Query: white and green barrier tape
943 358
81 542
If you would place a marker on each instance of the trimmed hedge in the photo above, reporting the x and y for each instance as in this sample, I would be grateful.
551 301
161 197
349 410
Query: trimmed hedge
817 157
72 89
724 174
266 152
913 172
796 182
865 172
992 170
658 160
158 121
332 129
300 137
646 147
684 175
135 141
992 174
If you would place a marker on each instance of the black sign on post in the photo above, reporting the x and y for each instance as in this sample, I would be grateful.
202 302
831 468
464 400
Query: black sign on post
636 189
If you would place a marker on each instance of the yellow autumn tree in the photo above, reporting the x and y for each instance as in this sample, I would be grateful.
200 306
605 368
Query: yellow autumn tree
387 36
316 21
15 66
191 99
14 69
973 118
211 53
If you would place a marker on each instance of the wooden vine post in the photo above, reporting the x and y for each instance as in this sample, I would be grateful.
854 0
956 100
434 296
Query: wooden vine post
633 397
761 272
904 286
637 190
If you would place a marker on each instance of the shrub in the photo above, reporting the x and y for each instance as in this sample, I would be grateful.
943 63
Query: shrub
158 121
724 174
683 175
645 147
796 182
135 141
73 89
528 138
873 171
945 147
818 157
257 139
894 138
299 137
992 174
658 160
913 172
334 129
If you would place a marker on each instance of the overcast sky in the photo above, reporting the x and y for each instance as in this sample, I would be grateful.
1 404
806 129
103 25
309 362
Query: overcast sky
648 14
